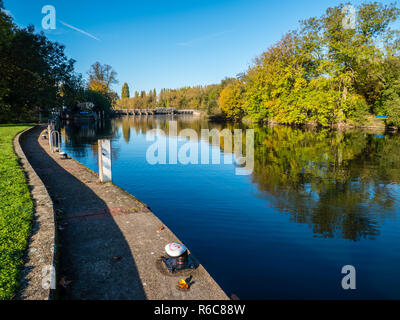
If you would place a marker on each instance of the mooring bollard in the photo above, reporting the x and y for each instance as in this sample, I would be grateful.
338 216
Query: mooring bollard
178 257
179 252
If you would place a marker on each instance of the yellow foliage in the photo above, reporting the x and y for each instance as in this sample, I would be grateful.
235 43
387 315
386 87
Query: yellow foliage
231 100
98 86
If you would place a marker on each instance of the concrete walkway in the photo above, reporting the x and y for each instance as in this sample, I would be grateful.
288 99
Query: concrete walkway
109 242
40 257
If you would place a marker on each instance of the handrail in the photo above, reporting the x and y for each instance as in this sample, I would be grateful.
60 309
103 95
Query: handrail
55 144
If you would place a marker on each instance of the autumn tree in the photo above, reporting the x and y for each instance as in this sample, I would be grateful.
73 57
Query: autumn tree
323 72
101 77
103 74
231 100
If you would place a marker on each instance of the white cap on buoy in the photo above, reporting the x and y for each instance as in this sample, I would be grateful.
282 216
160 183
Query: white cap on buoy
175 249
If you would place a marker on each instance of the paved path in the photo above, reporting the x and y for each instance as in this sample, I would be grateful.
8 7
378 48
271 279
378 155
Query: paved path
109 242
39 257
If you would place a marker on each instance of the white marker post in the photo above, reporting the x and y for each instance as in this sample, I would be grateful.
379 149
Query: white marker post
50 128
105 160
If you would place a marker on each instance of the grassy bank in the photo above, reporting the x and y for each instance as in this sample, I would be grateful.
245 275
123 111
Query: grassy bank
16 210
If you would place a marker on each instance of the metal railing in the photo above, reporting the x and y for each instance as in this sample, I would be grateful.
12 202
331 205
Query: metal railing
55 141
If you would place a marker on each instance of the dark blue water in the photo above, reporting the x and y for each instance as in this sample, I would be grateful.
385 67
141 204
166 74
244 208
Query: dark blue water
316 201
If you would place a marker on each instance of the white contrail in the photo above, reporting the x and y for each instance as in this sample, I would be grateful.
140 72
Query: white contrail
79 30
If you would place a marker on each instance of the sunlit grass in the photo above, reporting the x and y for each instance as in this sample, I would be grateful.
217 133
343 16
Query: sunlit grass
16 211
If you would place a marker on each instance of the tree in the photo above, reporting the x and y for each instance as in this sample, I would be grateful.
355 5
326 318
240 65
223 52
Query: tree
6 35
125 91
231 100
101 77
322 73
32 71
101 102
103 74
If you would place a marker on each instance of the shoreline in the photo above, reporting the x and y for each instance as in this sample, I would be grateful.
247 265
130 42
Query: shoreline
244 121
337 127
41 251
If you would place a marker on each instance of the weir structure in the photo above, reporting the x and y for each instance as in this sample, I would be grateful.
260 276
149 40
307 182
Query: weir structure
156 111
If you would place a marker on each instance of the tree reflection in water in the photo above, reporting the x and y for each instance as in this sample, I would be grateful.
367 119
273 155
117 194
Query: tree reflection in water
340 183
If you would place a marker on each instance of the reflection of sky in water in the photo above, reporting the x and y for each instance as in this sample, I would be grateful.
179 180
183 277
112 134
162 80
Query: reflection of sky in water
292 226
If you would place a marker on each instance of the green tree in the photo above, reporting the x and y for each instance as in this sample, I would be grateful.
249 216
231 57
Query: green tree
125 91
40 65
389 100
100 101
34 73
6 34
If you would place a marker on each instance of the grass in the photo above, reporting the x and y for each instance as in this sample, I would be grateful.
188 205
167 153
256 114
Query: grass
16 212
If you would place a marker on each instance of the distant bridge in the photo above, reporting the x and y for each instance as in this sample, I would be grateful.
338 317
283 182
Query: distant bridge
138 112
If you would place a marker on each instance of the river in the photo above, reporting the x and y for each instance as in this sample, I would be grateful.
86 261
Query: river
317 200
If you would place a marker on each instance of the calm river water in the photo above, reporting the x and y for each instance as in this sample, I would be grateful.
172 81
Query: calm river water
315 202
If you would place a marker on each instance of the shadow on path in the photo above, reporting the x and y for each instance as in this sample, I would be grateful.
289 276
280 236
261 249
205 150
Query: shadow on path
95 261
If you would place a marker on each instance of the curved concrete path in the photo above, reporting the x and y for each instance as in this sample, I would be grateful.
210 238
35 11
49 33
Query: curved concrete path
109 241
40 257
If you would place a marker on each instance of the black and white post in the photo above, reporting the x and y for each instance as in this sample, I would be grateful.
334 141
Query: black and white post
105 160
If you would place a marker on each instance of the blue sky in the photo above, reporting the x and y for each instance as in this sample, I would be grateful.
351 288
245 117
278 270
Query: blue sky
168 44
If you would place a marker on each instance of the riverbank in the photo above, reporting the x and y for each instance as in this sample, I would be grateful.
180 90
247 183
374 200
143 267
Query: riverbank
16 211
37 275
109 242
372 123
